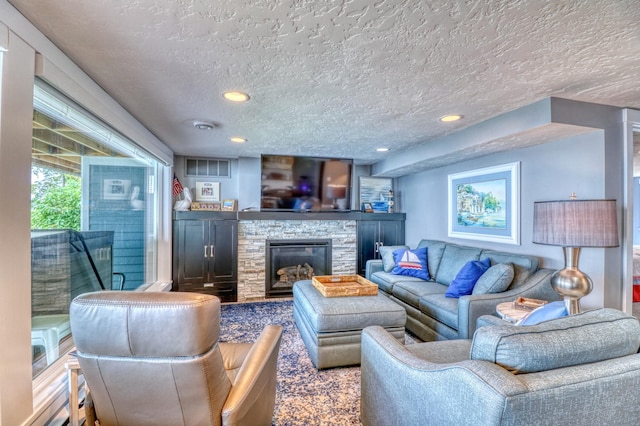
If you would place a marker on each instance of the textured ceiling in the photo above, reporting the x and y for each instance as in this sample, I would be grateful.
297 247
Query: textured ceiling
341 78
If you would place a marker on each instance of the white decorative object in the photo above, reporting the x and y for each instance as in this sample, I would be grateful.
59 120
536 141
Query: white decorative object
136 204
185 203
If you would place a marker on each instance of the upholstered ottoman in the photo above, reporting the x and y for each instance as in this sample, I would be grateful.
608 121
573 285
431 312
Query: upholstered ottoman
331 326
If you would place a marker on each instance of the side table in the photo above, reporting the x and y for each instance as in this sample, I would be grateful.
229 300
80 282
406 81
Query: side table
508 312
73 371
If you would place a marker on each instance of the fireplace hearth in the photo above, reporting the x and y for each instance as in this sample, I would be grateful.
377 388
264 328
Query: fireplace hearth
288 261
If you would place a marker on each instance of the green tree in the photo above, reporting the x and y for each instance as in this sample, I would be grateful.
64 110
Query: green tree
490 202
55 200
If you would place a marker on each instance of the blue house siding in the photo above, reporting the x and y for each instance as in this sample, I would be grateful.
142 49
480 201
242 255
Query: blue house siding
118 215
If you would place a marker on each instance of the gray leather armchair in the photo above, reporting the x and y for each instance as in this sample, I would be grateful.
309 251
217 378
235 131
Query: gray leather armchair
154 359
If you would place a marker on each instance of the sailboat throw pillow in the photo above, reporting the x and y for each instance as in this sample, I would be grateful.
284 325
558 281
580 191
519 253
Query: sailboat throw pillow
412 263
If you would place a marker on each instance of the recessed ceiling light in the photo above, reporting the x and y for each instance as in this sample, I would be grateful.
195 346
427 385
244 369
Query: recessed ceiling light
236 96
382 149
204 125
237 139
450 117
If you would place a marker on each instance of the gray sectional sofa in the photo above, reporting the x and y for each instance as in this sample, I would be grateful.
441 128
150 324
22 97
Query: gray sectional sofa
433 316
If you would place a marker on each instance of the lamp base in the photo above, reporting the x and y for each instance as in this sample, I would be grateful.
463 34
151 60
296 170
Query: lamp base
571 283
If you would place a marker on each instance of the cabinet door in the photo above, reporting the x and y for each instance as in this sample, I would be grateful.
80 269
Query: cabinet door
193 240
367 243
223 250
391 232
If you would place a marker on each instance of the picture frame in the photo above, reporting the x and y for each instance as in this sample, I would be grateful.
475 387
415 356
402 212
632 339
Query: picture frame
205 206
116 189
229 205
484 204
208 191
367 208
375 192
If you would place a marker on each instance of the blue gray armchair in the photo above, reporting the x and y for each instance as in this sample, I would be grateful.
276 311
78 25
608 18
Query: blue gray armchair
578 370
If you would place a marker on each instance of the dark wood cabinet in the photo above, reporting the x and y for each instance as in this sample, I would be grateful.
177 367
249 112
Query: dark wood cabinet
375 231
205 248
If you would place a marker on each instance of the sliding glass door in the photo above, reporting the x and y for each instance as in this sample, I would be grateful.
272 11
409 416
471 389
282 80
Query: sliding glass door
93 217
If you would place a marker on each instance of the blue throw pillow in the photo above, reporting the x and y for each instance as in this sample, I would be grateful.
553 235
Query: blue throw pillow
412 263
545 312
466 279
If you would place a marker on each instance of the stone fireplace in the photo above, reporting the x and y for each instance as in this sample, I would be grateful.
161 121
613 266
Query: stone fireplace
288 261
252 247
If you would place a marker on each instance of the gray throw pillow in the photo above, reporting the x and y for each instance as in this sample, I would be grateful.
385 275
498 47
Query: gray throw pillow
387 256
495 280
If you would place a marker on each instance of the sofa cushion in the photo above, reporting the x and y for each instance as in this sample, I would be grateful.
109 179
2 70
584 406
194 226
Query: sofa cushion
466 279
441 308
453 259
523 266
386 280
591 336
495 280
386 252
410 292
412 263
434 253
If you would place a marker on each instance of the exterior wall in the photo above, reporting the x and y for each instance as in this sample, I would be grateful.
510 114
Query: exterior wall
252 236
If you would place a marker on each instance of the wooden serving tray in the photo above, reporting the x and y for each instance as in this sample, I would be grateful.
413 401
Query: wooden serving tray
344 285
527 304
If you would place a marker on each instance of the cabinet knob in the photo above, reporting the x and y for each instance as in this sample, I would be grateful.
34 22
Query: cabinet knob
205 251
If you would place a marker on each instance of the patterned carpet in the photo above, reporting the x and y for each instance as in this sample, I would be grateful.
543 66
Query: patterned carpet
304 396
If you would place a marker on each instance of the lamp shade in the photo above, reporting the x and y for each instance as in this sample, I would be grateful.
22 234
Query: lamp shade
576 223
336 191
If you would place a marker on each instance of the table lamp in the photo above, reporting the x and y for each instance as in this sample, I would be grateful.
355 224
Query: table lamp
574 224
336 192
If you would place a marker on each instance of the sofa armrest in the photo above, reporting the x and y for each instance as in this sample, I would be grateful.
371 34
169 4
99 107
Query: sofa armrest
372 266
485 320
400 387
470 308
252 397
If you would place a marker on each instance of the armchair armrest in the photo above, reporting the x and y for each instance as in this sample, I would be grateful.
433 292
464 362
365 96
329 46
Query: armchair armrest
373 265
470 308
252 398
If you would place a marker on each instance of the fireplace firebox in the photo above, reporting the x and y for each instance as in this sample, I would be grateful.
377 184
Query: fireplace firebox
288 261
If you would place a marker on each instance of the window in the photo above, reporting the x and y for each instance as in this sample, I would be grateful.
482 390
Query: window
94 216
203 167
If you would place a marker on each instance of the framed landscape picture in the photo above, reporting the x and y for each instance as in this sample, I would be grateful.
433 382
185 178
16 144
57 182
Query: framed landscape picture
374 194
484 204
229 205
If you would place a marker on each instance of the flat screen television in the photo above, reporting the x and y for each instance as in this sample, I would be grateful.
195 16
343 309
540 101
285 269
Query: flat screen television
298 183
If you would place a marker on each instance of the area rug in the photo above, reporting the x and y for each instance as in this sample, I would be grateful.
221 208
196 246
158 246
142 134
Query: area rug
304 395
